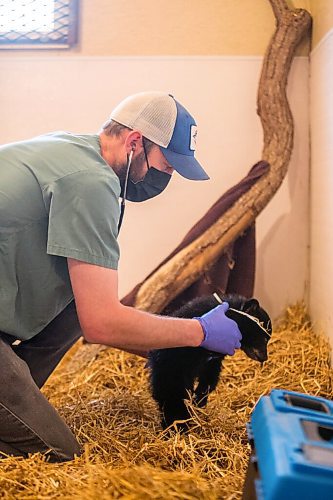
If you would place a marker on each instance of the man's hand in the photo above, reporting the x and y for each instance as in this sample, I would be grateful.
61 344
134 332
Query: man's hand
221 334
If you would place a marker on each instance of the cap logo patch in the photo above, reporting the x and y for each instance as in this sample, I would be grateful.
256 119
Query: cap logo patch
194 133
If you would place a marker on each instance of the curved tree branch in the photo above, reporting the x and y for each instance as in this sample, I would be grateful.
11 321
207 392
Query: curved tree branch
191 262
279 8
273 109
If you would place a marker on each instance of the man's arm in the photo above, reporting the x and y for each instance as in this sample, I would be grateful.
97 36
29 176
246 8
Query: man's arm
104 320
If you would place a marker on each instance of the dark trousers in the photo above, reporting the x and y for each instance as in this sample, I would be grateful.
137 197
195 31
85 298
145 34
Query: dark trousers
28 422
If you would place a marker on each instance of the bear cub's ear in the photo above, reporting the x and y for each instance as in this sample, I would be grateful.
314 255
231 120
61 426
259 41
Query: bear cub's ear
251 305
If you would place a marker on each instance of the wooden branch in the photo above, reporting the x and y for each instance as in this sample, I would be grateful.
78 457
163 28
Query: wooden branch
273 109
189 264
279 7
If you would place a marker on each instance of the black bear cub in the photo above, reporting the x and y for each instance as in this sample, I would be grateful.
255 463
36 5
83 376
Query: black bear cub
178 372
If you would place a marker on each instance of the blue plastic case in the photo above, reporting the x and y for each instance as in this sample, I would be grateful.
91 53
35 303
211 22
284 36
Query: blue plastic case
292 447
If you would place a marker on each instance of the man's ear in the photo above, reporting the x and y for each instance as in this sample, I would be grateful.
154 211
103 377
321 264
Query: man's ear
133 141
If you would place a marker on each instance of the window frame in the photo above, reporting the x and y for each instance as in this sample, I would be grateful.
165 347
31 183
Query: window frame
67 40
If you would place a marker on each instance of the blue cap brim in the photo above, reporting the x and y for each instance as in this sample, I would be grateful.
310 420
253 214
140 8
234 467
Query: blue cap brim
187 166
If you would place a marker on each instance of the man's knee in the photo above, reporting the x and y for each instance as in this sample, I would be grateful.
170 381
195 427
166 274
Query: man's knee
64 453
58 454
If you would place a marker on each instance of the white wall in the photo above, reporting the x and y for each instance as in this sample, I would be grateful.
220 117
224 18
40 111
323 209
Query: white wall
321 265
42 94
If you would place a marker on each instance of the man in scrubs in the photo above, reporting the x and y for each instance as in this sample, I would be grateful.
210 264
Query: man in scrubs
59 221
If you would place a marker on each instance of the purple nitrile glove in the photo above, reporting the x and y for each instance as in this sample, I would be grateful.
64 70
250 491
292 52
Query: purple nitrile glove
221 333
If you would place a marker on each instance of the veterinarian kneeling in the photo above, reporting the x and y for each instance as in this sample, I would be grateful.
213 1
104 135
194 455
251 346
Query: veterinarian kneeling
59 221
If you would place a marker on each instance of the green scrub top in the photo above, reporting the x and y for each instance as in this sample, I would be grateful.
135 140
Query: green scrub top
58 199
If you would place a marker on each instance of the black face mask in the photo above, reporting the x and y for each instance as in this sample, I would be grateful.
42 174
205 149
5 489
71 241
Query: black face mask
153 183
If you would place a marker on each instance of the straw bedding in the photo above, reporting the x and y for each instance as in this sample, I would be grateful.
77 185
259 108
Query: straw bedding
108 405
